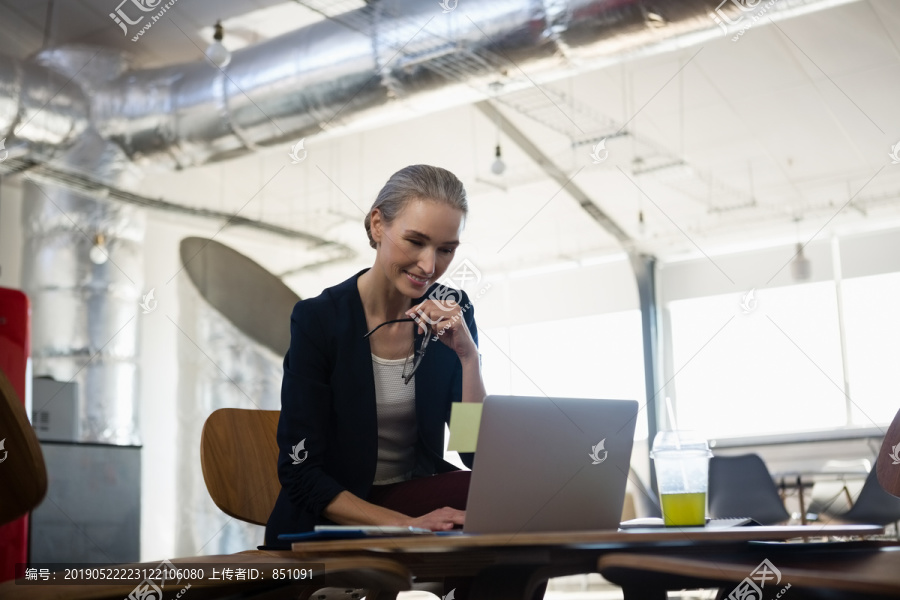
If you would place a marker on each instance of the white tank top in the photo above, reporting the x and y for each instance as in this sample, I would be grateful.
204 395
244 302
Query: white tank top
397 430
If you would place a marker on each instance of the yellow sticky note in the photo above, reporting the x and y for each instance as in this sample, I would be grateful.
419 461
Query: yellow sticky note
465 419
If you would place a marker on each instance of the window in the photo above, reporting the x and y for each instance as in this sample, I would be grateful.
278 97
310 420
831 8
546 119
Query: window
599 356
774 369
872 327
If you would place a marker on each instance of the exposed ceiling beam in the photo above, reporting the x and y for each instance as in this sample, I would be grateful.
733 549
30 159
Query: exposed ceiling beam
555 173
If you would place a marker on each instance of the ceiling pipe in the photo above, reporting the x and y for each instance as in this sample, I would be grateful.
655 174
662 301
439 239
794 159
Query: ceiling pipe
83 269
318 77
307 81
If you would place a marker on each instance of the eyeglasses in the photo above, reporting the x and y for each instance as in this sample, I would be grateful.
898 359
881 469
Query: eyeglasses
416 352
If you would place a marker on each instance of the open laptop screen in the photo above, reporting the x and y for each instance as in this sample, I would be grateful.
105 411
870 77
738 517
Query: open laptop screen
550 464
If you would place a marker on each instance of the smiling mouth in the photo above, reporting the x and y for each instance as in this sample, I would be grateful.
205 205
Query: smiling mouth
416 278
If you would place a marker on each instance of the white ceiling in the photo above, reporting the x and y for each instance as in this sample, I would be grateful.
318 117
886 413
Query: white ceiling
778 131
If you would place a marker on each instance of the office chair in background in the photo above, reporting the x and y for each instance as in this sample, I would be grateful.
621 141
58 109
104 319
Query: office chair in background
874 505
741 486
887 466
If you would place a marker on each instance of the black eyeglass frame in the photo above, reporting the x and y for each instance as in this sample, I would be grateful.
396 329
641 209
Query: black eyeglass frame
418 353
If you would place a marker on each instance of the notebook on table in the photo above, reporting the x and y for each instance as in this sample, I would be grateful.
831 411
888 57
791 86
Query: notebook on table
658 523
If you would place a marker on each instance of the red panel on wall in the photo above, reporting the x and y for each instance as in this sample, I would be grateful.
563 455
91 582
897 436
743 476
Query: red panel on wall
15 353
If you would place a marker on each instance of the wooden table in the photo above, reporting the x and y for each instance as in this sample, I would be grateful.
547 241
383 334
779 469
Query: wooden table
517 566
795 570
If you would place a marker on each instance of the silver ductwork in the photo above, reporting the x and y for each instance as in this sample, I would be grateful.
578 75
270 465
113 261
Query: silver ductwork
85 316
85 300
320 76
35 112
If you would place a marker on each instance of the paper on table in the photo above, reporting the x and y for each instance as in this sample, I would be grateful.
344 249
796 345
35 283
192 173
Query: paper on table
465 419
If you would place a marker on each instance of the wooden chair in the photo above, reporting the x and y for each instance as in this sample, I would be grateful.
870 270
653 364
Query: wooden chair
887 468
239 458
23 475
238 454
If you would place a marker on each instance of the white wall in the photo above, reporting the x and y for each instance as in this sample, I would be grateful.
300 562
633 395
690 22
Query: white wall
550 295
10 233
158 389
861 254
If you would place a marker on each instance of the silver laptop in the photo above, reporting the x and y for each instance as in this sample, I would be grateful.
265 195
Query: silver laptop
550 464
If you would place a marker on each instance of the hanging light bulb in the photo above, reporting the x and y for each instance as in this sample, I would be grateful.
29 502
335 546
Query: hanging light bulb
217 52
99 253
498 165
801 267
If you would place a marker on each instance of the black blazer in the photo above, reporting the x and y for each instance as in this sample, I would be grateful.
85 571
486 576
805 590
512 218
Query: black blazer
327 431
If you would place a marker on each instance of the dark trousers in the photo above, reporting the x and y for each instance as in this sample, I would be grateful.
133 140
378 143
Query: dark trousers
420 496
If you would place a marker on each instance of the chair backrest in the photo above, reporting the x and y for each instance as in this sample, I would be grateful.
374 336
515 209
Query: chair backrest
887 466
741 486
874 505
239 458
23 475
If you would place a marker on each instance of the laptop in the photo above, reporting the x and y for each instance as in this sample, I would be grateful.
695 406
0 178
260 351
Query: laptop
550 464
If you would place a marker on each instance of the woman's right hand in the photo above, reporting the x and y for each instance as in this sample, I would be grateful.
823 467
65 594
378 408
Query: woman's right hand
441 519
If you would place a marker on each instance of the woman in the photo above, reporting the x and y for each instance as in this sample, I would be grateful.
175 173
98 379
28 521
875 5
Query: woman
366 392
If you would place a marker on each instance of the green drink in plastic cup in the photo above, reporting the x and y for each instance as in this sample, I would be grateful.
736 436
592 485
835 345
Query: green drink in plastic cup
681 461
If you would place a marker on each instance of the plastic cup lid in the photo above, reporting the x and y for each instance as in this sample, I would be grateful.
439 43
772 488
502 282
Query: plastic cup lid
681 442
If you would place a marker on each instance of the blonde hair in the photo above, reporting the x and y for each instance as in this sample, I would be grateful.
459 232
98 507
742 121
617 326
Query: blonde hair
417 182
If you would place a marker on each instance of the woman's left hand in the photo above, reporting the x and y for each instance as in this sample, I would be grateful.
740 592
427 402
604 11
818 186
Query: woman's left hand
445 320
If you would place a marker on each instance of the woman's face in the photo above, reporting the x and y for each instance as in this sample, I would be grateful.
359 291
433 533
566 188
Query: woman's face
416 248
